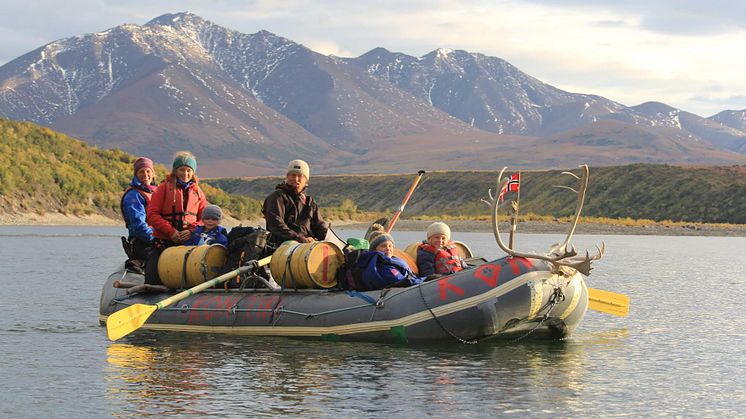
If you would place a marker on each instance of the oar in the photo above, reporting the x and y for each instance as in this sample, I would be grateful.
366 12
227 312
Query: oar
404 202
127 320
608 302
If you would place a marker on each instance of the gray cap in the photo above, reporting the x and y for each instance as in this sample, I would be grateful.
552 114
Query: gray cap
212 211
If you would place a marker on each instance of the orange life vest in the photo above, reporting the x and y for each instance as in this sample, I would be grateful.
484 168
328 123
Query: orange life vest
447 259
167 212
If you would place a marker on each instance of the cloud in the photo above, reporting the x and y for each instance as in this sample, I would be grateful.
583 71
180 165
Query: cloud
674 17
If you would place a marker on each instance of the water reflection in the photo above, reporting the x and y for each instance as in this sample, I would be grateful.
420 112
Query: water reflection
217 374
154 379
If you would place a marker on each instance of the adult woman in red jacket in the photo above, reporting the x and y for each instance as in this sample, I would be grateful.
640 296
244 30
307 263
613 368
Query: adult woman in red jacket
174 210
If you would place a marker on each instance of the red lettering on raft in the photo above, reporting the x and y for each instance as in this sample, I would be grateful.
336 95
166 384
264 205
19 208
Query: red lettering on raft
488 274
199 302
517 269
249 302
445 285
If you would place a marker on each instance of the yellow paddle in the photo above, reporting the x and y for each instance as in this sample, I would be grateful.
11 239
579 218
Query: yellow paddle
608 302
127 320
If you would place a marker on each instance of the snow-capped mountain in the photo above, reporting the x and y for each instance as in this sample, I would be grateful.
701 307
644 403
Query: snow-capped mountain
733 119
487 92
248 103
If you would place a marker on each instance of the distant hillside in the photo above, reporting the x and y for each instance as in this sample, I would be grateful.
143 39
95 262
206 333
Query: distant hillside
44 171
656 192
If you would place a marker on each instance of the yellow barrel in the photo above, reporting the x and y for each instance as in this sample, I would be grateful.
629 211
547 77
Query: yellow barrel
407 258
202 263
306 265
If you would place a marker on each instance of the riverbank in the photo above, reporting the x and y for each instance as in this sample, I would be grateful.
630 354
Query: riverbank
531 227
543 227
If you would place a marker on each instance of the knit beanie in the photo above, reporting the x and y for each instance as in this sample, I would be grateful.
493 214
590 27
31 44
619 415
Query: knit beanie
212 211
379 237
184 158
439 228
299 166
142 162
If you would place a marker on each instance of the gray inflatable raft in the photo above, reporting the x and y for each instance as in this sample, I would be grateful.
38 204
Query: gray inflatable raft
507 297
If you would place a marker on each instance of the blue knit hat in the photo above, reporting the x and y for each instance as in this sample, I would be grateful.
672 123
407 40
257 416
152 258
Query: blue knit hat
379 237
184 158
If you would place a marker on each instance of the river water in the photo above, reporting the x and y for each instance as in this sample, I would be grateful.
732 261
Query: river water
678 353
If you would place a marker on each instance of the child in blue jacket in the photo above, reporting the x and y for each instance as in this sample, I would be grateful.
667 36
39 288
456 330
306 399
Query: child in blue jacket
210 232
380 268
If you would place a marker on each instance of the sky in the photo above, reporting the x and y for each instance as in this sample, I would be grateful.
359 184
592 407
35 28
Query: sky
689 54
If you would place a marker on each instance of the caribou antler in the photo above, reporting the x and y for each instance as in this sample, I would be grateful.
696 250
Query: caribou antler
584 265
559 254
562 249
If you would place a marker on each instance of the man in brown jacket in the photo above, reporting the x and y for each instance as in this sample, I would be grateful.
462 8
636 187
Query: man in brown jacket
290 213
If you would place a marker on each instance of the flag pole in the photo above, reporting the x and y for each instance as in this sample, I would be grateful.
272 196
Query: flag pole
514 219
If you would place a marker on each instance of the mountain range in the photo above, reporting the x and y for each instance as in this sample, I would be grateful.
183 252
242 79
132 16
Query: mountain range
245 104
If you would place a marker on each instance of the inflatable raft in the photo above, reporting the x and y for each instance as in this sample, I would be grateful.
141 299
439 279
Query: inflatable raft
516 296
502 297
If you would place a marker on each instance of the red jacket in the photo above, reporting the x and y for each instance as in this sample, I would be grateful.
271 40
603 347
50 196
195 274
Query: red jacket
167 211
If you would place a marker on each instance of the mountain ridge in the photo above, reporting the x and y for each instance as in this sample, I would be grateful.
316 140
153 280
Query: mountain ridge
248 103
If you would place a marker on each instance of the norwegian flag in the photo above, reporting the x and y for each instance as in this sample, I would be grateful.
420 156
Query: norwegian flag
512 185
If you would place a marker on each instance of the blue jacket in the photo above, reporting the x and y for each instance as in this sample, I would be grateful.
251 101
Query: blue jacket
133 210
381 272
217 235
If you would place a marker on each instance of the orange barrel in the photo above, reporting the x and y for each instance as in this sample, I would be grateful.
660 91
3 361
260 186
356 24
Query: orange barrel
197 263
306 265
411 250
463 250
409 259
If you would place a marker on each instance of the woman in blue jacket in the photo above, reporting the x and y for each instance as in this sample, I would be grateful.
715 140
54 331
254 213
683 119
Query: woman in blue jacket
133 206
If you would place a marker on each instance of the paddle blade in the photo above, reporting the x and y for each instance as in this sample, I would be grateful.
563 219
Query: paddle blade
126 321
608 302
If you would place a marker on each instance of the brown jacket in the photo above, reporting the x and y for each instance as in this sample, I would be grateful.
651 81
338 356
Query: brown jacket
292 216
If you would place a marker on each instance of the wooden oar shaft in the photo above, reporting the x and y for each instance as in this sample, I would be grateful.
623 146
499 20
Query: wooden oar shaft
211 283
405 200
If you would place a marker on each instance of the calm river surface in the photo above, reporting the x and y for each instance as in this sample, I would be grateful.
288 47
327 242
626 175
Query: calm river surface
680 352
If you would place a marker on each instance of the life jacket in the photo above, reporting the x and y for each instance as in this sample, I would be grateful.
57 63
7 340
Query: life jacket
166 210
446 259
146 195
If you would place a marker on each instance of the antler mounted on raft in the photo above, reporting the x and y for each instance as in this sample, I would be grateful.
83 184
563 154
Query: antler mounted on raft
562 254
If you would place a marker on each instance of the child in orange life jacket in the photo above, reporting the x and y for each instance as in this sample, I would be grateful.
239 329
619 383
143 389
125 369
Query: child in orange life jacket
438 254
210 232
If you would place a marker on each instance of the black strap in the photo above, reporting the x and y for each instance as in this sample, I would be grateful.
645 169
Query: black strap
184 266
